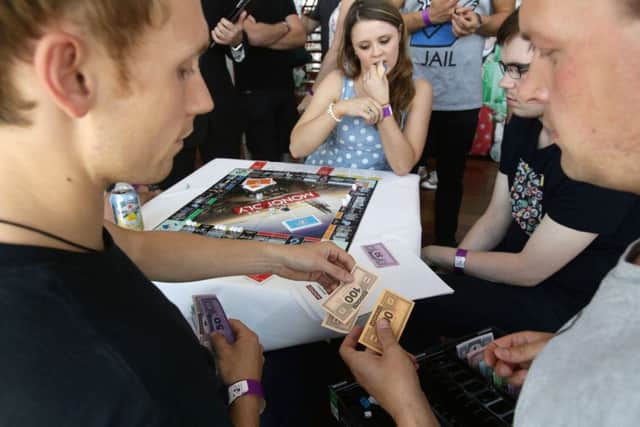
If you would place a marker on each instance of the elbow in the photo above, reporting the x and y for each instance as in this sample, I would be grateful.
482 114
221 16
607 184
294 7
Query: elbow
300 38
295 149
401 171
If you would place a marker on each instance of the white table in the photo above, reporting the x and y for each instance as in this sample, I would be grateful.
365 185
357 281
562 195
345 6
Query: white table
282 312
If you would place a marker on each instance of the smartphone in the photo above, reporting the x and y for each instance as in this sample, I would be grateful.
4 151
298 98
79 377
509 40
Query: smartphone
237 10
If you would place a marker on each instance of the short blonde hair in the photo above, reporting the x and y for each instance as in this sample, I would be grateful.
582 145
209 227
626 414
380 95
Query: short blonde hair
117 24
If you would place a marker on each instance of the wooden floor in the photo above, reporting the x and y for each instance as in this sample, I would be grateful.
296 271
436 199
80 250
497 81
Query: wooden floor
478 185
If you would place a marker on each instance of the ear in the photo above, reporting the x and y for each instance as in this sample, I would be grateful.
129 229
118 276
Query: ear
58 64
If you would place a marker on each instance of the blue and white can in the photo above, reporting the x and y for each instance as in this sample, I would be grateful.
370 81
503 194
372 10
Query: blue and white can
126 207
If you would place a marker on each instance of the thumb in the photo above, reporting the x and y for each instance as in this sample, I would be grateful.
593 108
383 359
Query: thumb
385 334
243 16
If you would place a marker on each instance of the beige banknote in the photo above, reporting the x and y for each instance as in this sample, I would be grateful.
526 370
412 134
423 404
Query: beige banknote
344 303
395 309
335 325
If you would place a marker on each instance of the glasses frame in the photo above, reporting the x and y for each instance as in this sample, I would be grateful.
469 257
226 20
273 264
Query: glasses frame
515 71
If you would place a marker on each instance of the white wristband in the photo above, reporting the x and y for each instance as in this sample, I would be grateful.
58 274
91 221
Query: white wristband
332 114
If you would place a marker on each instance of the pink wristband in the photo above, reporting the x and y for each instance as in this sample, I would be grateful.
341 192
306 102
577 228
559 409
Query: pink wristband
425 17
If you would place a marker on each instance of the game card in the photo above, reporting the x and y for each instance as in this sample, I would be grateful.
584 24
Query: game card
296 224
380 255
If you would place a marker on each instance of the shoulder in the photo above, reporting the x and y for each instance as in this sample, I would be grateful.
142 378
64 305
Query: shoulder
332 83
422 87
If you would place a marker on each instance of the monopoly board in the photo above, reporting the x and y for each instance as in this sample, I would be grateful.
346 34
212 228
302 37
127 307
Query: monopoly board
278 207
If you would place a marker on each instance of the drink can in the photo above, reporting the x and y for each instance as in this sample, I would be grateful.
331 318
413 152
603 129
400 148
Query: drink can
126 206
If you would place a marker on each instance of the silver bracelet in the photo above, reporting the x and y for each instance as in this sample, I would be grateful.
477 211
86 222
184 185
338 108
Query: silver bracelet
332 114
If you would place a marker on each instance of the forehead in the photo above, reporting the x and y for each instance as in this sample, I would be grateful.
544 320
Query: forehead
371 29
552 22
517 50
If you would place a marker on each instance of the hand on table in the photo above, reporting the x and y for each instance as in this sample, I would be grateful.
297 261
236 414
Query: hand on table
390 378
511 356
324 263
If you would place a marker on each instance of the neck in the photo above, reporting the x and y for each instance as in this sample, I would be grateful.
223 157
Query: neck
544 140
42 186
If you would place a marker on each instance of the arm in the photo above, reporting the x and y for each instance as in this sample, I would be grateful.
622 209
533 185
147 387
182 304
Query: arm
315 125
260 34
492 226
404 148
390 378
440 11
550 247
238 361
154 253
284 35
466 21
296 37
309 24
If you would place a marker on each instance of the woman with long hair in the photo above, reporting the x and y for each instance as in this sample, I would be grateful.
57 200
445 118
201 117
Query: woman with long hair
370 113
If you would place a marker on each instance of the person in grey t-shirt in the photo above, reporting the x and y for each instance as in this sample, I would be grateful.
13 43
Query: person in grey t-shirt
585 71
446 44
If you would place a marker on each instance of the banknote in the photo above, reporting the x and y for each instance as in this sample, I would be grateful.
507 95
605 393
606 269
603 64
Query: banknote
335 325
209 316
393 307
344 303
472 344
379 255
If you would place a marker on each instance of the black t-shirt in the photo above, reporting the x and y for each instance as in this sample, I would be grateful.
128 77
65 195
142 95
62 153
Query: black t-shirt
322 13
267 69
539 187
88 341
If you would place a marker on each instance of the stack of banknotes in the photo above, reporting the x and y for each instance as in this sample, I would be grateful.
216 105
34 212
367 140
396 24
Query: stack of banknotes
209 316
344 304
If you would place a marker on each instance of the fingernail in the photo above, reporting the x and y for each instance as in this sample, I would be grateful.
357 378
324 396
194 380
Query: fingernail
383 324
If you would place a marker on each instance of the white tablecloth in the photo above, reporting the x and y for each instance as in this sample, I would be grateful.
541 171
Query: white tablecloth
282 312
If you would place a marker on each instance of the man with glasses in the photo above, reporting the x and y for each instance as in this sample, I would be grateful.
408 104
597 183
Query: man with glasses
537 254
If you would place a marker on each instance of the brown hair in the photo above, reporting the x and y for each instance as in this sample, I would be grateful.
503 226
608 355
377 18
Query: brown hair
117 24
509 28
401 88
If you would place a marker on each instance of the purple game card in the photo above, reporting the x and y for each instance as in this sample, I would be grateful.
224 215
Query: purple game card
213 317
380 255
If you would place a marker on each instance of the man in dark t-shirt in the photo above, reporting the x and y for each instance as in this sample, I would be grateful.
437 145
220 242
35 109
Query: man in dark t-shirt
265 77
87 339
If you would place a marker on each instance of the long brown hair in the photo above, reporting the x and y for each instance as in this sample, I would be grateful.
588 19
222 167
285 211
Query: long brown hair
401 88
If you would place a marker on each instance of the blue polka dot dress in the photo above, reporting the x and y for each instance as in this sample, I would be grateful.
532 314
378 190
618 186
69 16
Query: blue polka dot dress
352 144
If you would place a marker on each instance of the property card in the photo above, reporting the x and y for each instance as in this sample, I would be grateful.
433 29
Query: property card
296 224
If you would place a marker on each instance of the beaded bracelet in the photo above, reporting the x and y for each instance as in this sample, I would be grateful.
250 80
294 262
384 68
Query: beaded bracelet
332 114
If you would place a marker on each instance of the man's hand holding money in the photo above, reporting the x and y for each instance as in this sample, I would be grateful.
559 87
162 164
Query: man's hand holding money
324 263
512 355
390 377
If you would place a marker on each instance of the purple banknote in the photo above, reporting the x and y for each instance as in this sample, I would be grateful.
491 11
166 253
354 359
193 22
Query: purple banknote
380 255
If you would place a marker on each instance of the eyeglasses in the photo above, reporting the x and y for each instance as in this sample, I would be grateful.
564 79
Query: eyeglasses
515 71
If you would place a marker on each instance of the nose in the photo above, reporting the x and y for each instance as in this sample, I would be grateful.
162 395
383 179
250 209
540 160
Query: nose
199 99
376 50
534 84
507 82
